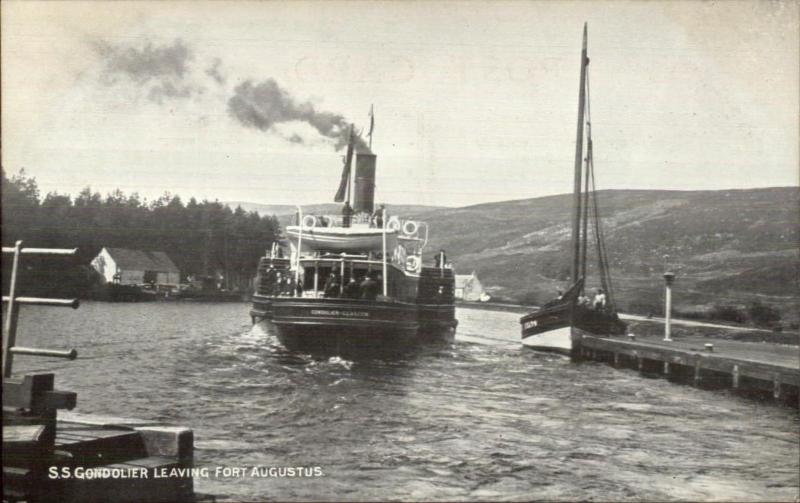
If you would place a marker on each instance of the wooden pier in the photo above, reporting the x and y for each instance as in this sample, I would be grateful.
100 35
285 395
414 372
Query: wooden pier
47 458
703 362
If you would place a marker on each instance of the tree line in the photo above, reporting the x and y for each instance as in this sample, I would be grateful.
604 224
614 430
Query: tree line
202 238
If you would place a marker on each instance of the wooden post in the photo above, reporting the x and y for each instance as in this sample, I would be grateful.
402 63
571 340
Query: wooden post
735 374
776 387
640 363
666 368
697 376
12 313
616 359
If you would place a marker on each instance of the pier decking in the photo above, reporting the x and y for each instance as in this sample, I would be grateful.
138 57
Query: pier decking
702 361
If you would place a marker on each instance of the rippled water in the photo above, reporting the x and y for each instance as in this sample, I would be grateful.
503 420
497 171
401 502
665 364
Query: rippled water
482 419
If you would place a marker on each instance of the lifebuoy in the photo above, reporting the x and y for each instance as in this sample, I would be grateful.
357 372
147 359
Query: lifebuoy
309 221
410 227
394 224
412 263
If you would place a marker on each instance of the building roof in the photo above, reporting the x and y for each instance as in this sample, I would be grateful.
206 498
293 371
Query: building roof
142 260
462 280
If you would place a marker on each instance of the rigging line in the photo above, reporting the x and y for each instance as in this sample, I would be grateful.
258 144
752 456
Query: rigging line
602 251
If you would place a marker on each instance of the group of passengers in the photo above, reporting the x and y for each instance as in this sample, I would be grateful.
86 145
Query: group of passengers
368 289
598 303
282 282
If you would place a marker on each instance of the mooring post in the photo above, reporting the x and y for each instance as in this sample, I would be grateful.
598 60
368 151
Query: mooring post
776 387
669 278
666 368
735 374
616 359
697 375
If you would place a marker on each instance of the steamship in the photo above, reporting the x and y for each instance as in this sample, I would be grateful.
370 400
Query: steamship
356 282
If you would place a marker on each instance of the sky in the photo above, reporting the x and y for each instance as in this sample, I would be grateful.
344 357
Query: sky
473 101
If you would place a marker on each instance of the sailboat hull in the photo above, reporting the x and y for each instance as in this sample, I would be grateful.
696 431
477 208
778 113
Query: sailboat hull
552 329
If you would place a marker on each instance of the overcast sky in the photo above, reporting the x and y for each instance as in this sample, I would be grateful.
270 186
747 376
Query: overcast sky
474 101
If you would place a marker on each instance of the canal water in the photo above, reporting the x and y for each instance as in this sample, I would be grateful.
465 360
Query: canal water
481 419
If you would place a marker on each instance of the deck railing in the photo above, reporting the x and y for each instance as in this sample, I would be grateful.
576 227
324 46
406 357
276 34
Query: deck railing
13 302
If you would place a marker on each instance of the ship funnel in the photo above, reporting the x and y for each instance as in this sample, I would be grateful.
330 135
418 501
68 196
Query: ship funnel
364 192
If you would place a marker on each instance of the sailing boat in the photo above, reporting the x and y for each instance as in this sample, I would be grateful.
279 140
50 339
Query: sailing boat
553 325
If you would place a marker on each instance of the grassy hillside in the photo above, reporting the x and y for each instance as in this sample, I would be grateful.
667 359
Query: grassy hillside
727 247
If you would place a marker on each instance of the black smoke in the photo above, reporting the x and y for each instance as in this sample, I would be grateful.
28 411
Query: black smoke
265 104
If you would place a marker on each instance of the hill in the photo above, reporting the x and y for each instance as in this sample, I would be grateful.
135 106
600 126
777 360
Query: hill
727 247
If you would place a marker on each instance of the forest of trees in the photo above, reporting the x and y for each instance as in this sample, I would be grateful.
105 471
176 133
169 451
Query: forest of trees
200 237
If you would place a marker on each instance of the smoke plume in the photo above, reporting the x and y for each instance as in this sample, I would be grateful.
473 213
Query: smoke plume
265 104
162 70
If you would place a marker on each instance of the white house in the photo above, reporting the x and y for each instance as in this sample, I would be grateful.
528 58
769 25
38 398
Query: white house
136 267
469 287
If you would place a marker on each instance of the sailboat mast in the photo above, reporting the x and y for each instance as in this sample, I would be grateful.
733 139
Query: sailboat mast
576 201
585 216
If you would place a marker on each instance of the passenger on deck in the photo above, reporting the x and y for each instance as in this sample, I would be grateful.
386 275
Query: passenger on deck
369 288
299 288
288 285
440 260
275 286
377 217
332 286
599 300
347 214
351 289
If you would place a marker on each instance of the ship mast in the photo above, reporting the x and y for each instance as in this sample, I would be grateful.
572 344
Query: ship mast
576 202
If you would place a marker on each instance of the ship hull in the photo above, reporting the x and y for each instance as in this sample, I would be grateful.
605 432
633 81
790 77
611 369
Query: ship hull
553 329
349 327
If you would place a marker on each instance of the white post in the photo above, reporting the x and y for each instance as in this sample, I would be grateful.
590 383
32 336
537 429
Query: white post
299 246
316 278
341 277
385 279
669 278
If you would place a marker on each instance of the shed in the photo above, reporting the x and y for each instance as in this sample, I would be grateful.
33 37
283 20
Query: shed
136 267
468 287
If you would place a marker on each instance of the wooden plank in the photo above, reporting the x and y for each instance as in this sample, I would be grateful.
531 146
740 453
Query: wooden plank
20 393
58 400
22 434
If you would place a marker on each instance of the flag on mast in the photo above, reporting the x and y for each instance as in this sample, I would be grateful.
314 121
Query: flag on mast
371 123
348 161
